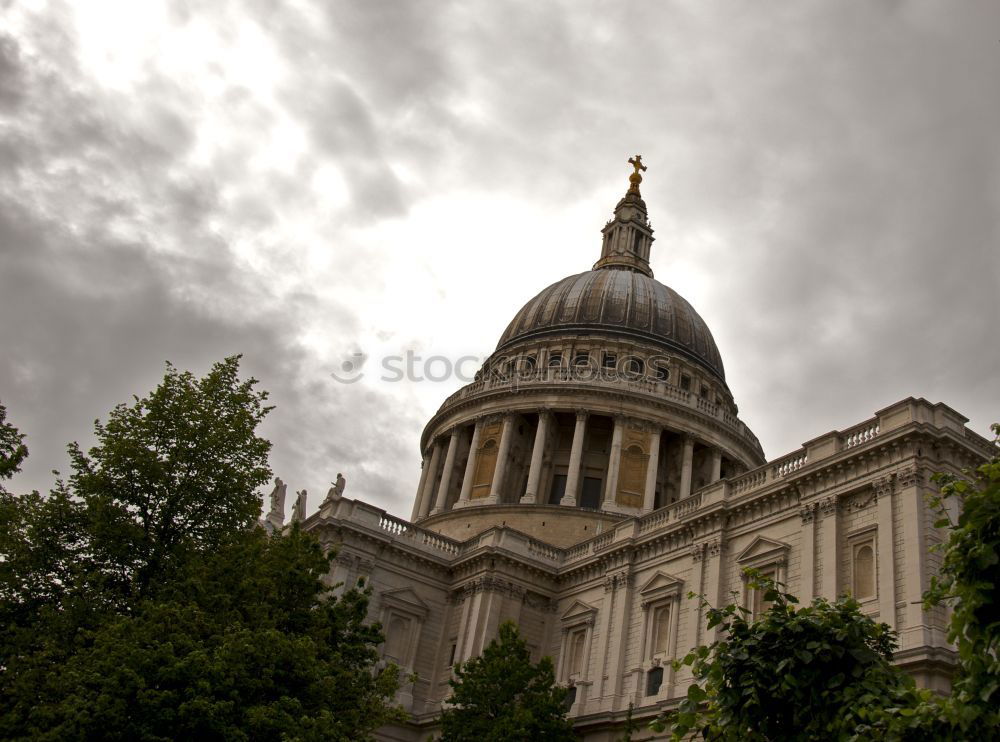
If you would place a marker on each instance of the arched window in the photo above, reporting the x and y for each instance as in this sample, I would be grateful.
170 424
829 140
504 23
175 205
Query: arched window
864 571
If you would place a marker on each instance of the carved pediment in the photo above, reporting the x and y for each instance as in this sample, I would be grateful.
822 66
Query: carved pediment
406 600
763 550
579 612
660 585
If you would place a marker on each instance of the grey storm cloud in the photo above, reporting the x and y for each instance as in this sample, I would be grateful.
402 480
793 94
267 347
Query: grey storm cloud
823 181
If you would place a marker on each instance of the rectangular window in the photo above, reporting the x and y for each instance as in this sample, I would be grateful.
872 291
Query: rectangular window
555 360
577 651
758 605
654 679
661 629
558 489
591 495
610 360
581 359
685 382
570 697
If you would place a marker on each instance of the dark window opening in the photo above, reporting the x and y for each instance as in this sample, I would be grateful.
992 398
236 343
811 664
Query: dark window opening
451 659
555 360
704 392
610 360
662 373
637 242
582 359
570 697
654 679
634 366
591 495
558 489
685 382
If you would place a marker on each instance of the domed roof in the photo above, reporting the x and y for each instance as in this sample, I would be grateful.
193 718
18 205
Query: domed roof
622 303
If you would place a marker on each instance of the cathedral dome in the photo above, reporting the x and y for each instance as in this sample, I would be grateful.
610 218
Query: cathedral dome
622 303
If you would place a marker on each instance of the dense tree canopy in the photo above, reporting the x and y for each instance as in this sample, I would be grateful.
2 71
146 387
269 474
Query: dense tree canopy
139 601
12 448
501 695
819 672
970 582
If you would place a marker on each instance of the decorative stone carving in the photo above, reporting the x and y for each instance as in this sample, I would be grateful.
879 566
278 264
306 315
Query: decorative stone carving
909 477
716 547
829 506
617 580
697 552
808 512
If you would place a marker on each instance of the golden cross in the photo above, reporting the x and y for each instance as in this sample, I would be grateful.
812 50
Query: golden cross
636 162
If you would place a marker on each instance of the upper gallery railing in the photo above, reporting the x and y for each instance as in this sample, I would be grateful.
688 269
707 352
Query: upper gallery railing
590 377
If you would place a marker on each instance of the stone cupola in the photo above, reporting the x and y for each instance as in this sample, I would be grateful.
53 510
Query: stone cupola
628 236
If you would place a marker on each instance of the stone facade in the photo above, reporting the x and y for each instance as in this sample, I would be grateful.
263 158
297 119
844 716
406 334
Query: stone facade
597 471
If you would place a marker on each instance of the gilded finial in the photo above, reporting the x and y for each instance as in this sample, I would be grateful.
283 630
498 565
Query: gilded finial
635 178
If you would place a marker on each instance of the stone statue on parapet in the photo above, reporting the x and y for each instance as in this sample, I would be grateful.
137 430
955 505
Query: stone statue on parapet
278 499
299 508
337 490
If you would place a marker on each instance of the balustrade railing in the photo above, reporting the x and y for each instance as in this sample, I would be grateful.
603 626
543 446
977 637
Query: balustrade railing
791 463
859 434
589 376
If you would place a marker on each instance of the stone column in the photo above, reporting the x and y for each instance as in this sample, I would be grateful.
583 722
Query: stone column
716 465
831 557
713 566
500 472
649 497
916 627
575 459
614 464
697 587
884 491
687 462
428 493
470 466
808 557
535 468
425 466
449 466
613 654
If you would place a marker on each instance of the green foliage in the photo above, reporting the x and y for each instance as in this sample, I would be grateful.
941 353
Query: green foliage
140 602
177 470
12 449
240 645
502 696
969 579
819 672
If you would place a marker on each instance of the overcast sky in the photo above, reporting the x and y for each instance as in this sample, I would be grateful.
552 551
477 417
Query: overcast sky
304 181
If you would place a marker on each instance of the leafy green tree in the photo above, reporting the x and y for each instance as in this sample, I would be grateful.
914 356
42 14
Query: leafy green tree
503 696
139 601
819 672
12 448
970 582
